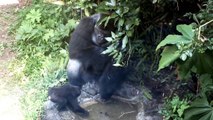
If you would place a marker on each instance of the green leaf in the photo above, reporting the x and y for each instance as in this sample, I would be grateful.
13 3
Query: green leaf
195 113
34 15
186 31
108 50
195 18
207 116
125 10
137 22
181 109
107 21
199 110
48 35
137 10
184 68
113 35
169 55
72 23
86 12
121 22
206 83
124 42
200 102
173 39
204 65
109 39
147 93
111 3
118 60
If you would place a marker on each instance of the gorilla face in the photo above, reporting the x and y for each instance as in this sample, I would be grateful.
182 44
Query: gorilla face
99 36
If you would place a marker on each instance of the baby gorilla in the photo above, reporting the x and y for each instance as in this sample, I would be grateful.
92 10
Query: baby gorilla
66 95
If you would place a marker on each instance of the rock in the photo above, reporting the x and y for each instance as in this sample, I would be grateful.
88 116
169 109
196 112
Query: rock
128 98
50 111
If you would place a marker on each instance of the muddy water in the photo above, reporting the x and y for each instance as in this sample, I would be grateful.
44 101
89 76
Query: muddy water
114 110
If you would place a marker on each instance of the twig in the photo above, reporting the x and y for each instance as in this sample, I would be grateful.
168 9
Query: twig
199 29
124 113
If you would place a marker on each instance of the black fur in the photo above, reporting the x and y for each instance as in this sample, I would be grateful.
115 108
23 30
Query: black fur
111 80
66 96
94 65
88 53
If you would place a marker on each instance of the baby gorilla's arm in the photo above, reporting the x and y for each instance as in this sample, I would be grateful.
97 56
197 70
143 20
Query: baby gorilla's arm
76 108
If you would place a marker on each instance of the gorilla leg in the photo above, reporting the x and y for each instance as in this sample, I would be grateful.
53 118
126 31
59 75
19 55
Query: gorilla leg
111 80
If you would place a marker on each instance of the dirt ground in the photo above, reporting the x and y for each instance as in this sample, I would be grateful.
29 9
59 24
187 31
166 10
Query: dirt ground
10 92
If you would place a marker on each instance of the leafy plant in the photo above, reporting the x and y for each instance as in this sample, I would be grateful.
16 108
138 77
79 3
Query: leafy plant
126 20
39 31
35 86
43 30
36 92
174 108
200 109
192 52
181 50
206 85
190 49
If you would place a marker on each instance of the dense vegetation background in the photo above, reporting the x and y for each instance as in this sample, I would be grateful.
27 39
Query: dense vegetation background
151 35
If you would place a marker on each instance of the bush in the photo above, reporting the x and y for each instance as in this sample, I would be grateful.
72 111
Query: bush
42 32
174 108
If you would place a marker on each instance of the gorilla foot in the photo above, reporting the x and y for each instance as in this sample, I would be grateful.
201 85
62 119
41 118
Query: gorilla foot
82 113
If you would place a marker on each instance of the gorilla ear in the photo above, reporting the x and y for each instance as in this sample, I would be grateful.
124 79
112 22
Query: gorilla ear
96 17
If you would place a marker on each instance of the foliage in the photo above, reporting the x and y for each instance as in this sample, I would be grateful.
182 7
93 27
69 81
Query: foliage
191 47
206 85
35 86
125 20
193 52
200 109
42 30
174 108
36 92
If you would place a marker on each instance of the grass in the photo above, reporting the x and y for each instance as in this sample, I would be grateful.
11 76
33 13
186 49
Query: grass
33 74
35 86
